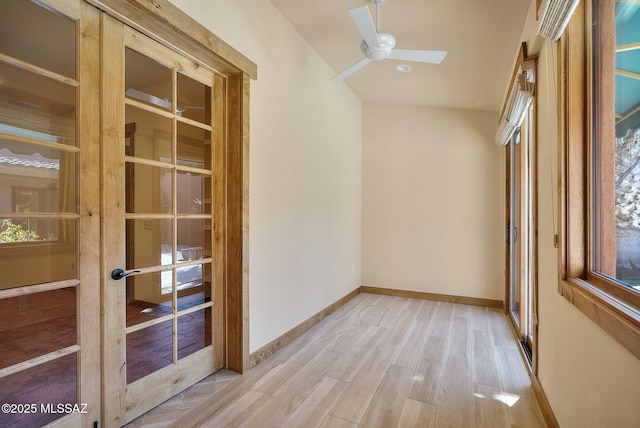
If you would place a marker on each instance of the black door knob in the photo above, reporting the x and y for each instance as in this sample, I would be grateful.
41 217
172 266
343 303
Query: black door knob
118 274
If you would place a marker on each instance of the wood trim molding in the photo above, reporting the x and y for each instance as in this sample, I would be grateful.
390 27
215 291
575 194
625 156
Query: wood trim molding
90 197
614 311
572 98
619 321
111 138
522 57
272 347
545 407
237 218
475 301
167 24
604 129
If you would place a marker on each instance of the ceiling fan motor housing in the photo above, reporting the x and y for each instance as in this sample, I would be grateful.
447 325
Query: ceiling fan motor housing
376 53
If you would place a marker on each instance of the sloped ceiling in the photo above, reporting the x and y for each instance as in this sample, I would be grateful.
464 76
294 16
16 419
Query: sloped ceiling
627 58
481 36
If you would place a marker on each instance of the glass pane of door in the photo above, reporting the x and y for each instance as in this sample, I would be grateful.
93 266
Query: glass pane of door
520 233
168 214
515 228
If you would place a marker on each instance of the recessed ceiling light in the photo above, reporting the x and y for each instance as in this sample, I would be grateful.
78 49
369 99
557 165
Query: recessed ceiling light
404 68
481 103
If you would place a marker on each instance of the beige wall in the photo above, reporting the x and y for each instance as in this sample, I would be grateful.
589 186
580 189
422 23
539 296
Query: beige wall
431 201
305 169
431 208
588 377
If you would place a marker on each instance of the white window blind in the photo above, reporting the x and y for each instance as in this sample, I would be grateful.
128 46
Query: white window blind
554 17
518 102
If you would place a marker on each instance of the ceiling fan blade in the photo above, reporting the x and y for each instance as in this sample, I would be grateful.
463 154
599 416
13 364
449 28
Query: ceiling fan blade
143 96
432 57
362 18
355 67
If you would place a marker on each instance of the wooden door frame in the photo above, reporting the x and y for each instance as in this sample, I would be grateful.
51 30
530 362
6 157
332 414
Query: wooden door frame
168 25
90 212
522 57
525 61
533 233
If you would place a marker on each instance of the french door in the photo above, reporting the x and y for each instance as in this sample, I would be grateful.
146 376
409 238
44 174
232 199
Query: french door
49 214
115 152
163 326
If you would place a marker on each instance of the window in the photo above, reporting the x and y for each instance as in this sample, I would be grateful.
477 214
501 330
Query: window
601 191
615 143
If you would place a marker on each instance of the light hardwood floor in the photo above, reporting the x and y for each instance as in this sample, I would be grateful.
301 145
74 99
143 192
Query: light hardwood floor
379 361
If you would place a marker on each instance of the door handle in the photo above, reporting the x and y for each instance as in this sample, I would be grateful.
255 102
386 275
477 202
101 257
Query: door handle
507 233
118 274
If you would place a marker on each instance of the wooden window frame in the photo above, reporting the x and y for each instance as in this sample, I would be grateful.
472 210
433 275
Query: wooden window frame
611 306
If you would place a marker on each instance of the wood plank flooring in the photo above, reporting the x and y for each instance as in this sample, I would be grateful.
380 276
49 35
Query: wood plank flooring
379 361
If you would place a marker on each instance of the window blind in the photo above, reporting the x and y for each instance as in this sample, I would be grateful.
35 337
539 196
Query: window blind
516 107
554 17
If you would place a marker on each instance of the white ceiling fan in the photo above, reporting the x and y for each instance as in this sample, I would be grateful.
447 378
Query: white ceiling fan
183 103
378 46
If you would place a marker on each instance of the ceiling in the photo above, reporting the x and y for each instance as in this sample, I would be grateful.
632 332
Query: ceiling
481 36
627 60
